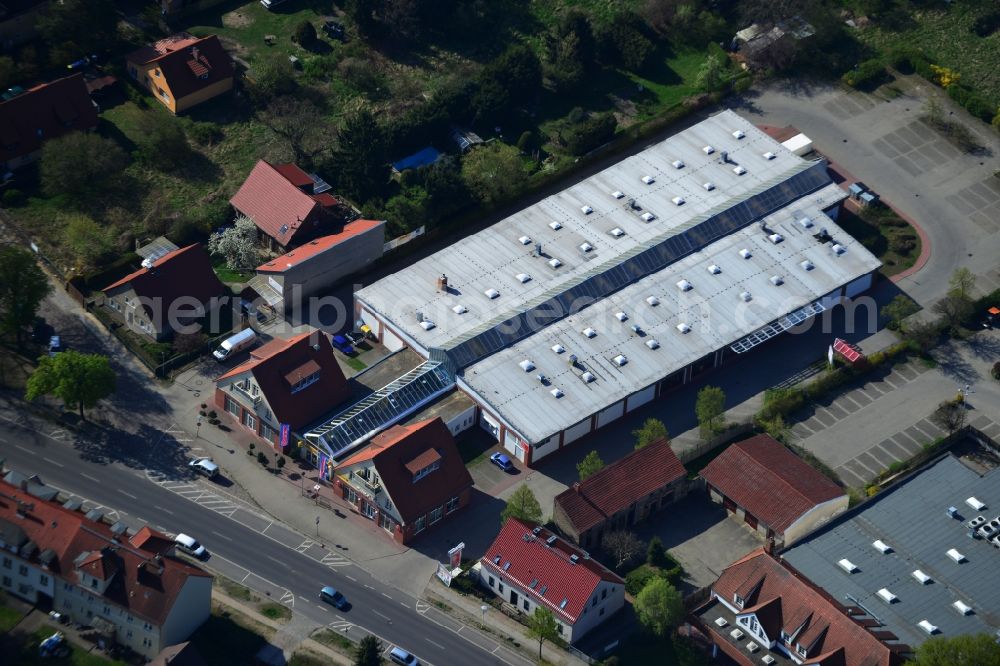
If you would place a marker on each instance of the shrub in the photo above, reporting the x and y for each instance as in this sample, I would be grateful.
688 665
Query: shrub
868 74
636 579
590 134
959 93
902 245
905 59
204 133
13 198
261 458
987 24
305 34
781 402
979 107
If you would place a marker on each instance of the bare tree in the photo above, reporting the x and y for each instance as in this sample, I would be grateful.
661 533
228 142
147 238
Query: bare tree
950 415
954 309
301 124
623 546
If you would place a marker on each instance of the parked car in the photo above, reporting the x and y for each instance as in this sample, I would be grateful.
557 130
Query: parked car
341 344
502 461
205 466
332 596
55 345
190 546
398 655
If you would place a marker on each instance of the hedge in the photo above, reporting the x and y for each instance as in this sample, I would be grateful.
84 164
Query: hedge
868 74
591 133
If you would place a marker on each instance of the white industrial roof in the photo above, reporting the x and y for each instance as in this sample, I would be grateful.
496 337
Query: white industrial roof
494 258
713 309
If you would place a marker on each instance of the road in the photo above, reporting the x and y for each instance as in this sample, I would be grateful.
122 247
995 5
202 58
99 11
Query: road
287 566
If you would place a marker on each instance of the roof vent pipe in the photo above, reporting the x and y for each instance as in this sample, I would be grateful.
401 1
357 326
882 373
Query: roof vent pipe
442 283
725 156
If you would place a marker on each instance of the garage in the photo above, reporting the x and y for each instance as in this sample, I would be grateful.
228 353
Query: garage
577 431
513 445
391 341
610 414
860 285
544 448
489 424
371 322
640 398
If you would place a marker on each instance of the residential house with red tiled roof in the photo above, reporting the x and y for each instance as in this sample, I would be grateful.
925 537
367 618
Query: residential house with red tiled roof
290 383
762 611
530 567
182 71
622 494
167 294
289 205
764 484
46 111
320 263
54 556
408 479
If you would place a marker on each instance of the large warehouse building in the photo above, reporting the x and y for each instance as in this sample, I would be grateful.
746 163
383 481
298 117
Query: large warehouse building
566 315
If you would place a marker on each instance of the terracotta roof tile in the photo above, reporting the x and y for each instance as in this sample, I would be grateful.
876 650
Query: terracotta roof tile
184 59
46 111
769 481
620 484
318 246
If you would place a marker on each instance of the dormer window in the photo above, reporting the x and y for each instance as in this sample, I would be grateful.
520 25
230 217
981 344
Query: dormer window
802 652
302 383
421 473
738 600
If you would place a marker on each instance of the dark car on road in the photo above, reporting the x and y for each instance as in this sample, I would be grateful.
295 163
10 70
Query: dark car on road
332 596
502 461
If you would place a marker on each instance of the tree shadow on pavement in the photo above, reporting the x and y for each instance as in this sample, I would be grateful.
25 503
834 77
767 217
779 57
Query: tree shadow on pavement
984 347
148 448
953 364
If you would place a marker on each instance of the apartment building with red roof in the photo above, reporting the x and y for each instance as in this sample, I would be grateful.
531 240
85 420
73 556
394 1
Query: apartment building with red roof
167 294
182 71
289 205
43 112
54 556
322 262
530 567
762 611
408 479
622 494
289 383
761 482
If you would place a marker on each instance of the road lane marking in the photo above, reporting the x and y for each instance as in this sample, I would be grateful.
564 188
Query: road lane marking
128 494
437 645
221 536
324 608
351 578
160 508
275 560
386 595
87 476
52 462
18 446
386 617
369 587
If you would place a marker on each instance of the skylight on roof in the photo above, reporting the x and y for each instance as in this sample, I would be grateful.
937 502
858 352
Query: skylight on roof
684 285
807 265
921 576
648 217
738 134
927 627
621 316
975 503
678 164
805 222
649 180
427 324
527 365
491 293
738 170
652 343
887 596
955 555
683 327
709 186
881 546
506 565
555 226
534 583
618 194
587 377
589 332
523 277
460 309
542 591
847 565
775 238
562 604
777 280
556 393
652 300
769 155
745 296
745 253
525 240
620 360
838 249
558 348
714 269
708 150
678 201
587 210
962 607
586 247
617 232
555 263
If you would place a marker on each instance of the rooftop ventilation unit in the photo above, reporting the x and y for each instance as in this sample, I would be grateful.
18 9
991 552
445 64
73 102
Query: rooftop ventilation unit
752 647
807 265
618 194
737 634
882 546
542 379
738 170
558 348
847 565
587 210
953 512
652 344
587 377
684 285
652 300
525 240
838 249
586 247
745 296
962 608
708 150
620 360
769 155
721 622
777 280
806 223
589 332
976 522
427 324
923 578
491 293
574 558
776 238
527 365
709 186
955 555
927 627
678 164
617 232
745 253
678 201
683 328
460 309
738 134
621 316
714 269
649 180
767 659
555 263
637 329
975 504
555 226
551 540
556 393
648 217
887 596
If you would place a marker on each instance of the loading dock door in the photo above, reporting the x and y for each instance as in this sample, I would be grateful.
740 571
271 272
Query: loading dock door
489 425
610 414
639 399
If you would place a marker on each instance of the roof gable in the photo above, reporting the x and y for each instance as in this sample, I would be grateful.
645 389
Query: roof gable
188 63
318 246
46 111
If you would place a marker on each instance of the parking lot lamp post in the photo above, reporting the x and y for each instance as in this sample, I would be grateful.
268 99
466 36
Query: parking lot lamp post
484 608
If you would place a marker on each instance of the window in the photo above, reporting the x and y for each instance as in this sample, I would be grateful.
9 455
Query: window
128 634
426 470
67 587
43 580
593 602
129 620
525 604
107 610
146 642
23 570
492 582
500 588
452 504
738 600
268 433
419 524
7 582
250 421
232 406
604 593
163 93
305 381
600 612
156 72
115 305
93 583
559 627
801 650
24 590
147 626
436 514
7 563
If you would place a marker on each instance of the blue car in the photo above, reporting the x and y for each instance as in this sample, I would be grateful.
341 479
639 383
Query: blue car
332 596
342 344
502 461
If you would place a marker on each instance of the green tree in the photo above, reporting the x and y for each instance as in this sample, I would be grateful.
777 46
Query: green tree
961 283
368 652
269 78
79 380
360 160
776 427
922 334
238 244
22 287
407 210
161 142
494 173
659 606
961 650
622 546
899 309
543 626
91 243
76 28
590 465
362 12
302 126
522 505
954 309
709 407
79 163
710 73
651 430
305 34
656 554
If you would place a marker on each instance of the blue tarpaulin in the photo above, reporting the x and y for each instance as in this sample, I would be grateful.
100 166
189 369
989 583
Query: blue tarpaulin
428 155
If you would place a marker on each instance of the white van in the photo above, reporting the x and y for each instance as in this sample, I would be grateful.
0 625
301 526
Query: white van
235 344
190 546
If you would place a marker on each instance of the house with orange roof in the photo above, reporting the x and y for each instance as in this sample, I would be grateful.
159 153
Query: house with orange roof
182 71
133 590
320 263
284 386
167 294
408 479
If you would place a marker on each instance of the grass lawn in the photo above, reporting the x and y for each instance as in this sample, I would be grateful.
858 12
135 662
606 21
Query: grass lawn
77 657
355 363
306 658
228 275
8 618
333 640
276 611
878 239
236 591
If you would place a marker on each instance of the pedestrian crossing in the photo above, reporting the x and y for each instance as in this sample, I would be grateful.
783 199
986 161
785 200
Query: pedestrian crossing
193 491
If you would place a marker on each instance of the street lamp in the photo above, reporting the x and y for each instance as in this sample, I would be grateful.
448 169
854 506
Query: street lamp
317 525
197 432
275 462
484 608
